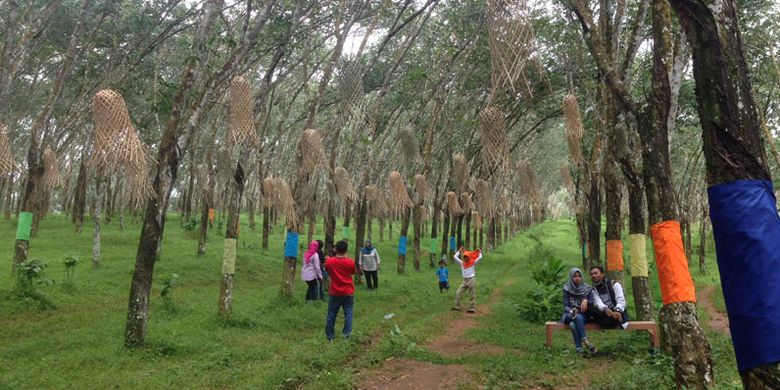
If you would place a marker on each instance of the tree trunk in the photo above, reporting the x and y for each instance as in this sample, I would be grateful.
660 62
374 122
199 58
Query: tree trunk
236 192
445 235
416 251
404 233
96 231
734 152
702 244
9 198
266 227
360 234
594 222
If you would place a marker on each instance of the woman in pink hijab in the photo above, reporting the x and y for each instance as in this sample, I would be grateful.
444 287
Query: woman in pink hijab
311 271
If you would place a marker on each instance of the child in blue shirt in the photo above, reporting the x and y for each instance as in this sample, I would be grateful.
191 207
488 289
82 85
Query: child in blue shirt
444 276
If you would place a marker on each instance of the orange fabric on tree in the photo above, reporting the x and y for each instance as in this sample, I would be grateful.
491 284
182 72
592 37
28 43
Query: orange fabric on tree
614 255
211 215
676 282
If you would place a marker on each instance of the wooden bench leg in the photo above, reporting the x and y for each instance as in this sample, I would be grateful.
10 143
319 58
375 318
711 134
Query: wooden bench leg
549 336
654 339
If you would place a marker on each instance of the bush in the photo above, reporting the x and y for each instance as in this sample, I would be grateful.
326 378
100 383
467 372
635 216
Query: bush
543 302
191 224
70 266
29 274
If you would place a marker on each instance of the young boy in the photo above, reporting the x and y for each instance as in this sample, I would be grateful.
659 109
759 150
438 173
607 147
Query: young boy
467 265
444 276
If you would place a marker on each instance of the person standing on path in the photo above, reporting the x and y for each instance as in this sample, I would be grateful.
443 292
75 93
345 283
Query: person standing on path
370 264
340 269
467 265
311 273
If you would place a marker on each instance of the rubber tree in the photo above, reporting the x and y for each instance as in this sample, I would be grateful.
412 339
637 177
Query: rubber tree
734 154
679 320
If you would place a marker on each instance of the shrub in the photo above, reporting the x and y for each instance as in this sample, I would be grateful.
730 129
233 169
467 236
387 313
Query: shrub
168 283
70 266
29 274
543 302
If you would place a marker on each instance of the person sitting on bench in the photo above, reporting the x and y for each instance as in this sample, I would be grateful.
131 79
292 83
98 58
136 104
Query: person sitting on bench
609 304
576 295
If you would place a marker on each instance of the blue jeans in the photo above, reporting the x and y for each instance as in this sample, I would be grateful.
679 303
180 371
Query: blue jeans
577 325
334 304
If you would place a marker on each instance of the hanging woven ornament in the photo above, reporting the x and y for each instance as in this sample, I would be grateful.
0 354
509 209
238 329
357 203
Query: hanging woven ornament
312 151
117 144
484 198
241 123
476 219
465 202
460 172
454 206
344 188
574 128
51 170
421 187
7 163
399 198
495 149
285 203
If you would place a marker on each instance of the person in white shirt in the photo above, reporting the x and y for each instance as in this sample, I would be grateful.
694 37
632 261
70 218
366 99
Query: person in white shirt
609 302
467 265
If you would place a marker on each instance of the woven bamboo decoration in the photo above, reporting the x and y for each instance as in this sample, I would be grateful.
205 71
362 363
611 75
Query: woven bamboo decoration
484 198
377 200
344 188
399 198
510 37
117 143
7 163
421 186
460 172
351 81
269 192
568 182
452 201
574 128
465 202
312 151
476 219
241 123
409 145
495 149
285 202
51 170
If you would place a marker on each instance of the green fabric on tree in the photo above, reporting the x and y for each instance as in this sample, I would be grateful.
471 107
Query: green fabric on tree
24 226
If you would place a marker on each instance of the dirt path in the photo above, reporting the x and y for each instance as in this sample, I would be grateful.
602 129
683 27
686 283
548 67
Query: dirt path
718 321
407 374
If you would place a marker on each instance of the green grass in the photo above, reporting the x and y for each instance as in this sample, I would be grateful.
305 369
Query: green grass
272 343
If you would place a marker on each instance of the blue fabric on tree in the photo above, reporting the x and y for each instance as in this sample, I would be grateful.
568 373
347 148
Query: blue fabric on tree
291 245
746 229
402 245
452 243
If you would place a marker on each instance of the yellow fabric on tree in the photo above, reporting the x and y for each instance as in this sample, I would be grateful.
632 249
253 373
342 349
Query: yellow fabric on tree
637 248
229 257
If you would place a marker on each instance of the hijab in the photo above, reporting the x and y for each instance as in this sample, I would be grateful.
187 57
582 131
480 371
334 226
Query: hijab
576 289
368 247
313 246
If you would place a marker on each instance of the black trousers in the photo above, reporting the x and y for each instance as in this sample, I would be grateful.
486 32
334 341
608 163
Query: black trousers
371 279
311 291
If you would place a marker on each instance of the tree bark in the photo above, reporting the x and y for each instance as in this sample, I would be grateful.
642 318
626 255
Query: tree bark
96 229
80 196
236 191
731 128
417 224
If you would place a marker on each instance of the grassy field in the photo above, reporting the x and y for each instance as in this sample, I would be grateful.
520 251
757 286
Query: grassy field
273 343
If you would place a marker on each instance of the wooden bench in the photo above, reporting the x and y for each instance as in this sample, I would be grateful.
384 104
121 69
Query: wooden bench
649 326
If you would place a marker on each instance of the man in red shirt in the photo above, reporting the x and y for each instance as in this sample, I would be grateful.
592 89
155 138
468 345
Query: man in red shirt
340 270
